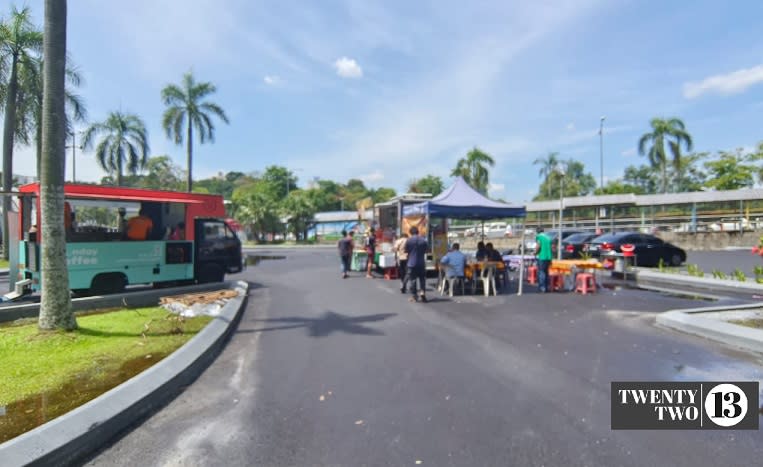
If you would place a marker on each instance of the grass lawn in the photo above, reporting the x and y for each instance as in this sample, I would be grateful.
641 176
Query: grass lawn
756 323
3 264
45 374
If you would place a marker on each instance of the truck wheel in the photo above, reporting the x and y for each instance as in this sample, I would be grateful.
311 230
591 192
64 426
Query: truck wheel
211 273
108 283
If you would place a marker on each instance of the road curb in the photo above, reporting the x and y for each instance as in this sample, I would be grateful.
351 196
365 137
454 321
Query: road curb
127 300
83 431
691 322
648 279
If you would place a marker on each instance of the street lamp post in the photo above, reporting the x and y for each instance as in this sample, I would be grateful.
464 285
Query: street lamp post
74 156
561 210
601 152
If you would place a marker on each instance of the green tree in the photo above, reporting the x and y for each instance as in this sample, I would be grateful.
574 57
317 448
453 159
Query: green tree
124 142
548 165
55 302
672 132
689 176
185 105
382 194
576 181
643 177
618 187
20 43
299 210
161 174
475 169
431 184
733 170
255 207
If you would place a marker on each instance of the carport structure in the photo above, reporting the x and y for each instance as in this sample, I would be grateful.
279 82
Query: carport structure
685 212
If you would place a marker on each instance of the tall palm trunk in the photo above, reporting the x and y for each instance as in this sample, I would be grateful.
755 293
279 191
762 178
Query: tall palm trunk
189 155
55 303
8 130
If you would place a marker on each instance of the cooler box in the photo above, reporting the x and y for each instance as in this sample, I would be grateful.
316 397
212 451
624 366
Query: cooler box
387 260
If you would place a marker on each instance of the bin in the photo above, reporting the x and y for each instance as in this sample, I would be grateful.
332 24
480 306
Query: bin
358 262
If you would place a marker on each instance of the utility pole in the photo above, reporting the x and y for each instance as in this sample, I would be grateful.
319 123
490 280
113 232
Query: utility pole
74 156
601 152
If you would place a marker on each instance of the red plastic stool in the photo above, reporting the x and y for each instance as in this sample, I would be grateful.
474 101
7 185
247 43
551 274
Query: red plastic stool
555 281
390 273
585 283
532 275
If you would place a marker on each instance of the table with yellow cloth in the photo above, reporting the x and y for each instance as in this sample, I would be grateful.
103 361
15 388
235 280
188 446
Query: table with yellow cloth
571 267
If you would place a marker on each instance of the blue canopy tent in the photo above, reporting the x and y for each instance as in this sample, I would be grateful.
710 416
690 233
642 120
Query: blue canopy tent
460 201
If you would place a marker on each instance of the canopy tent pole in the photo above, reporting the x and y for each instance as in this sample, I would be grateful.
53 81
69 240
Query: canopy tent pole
521 261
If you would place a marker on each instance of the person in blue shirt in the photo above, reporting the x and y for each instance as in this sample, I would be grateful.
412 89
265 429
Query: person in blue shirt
417 247
481 252
455 261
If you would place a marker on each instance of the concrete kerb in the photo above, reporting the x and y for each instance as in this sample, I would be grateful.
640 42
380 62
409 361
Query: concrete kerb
83 431
649 279
127 299
691 321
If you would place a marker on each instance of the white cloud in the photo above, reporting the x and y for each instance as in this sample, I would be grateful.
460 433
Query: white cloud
496 187
730 83
272 80
570 126
375 176
348 68
628 152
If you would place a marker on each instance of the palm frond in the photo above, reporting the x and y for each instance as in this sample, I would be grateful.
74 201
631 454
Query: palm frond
173 95
215 109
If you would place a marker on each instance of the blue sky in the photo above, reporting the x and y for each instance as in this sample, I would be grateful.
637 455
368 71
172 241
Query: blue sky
394 90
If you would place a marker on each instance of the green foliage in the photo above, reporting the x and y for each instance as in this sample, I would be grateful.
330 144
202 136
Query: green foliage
431 184
734 170
299 211
124 141
694 270
661 265
474 168
740 275
188 111
758 270
576 181
718 274
672 132
382 194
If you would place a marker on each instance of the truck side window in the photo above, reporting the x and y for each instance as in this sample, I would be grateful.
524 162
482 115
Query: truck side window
214 231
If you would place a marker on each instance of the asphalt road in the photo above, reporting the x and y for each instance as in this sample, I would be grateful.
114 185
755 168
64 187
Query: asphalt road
725 261
325 371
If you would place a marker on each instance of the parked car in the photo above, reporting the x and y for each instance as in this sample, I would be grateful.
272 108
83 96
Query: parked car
648 248
530 243
572 246
554 236
495 230
731 224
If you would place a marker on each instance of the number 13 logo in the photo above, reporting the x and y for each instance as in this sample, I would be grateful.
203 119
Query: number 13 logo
726 405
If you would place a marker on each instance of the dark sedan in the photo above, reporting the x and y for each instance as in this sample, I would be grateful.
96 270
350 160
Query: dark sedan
572 246
649 249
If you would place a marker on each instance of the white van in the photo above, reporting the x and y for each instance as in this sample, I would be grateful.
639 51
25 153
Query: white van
495 230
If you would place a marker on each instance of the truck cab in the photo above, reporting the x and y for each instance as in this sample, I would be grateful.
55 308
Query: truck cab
218 250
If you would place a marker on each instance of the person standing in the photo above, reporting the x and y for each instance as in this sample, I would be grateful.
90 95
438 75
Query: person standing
345 245
402 261
416 247
544 256
371 252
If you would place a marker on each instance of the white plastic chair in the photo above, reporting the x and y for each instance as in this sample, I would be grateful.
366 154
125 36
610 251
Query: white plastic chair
487 278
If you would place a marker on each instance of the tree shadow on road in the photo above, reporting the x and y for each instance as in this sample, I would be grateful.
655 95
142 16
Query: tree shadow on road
325 325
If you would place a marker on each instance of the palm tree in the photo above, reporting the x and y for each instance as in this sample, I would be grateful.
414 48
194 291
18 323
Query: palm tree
20 42
672 131
55 302
29 111
548 166
474 169
125 141
184 105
